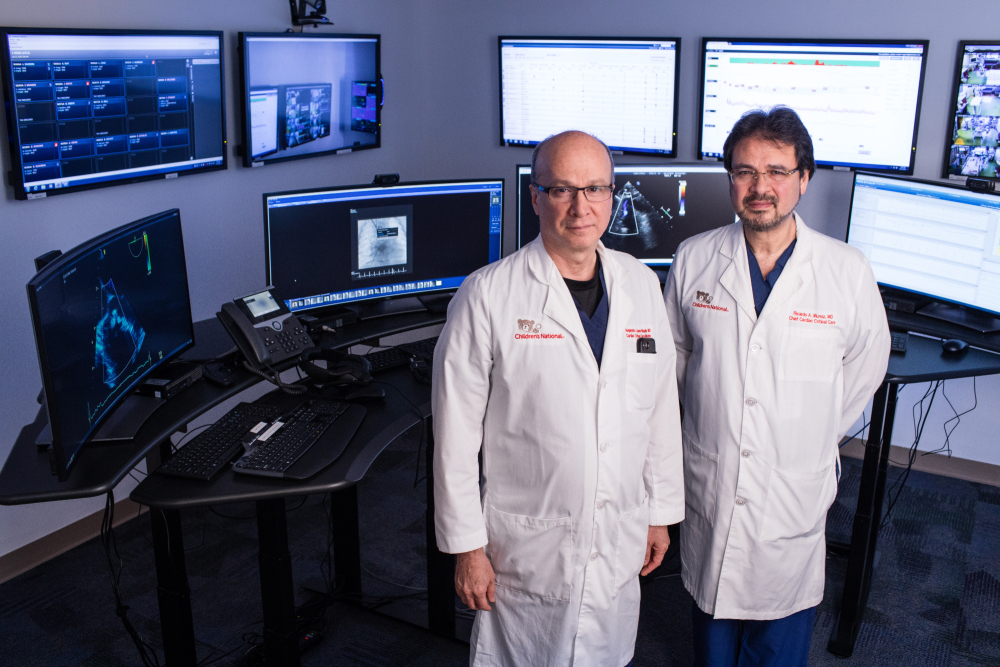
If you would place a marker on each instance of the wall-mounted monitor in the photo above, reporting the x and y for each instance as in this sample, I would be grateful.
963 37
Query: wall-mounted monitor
973 131
106 314
622 90
306 95
338 246
654 208
90 108
934 240
859 99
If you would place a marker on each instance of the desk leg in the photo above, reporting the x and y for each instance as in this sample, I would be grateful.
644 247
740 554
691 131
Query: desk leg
281 641
440 566
867 518
346 540
172 592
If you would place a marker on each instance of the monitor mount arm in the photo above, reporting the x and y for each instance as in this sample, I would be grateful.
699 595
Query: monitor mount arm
314 18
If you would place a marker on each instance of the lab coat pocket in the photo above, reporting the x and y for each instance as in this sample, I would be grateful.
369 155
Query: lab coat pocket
701 470
640 378
797 503
809 354
531 555
630 552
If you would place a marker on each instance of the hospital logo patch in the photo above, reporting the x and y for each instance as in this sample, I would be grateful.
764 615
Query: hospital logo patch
704 300
531 330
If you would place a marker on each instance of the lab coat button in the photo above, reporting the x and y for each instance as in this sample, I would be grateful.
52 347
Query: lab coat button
604 447
741 502
594 556
751 402
746 454
601 504
604 384
755 348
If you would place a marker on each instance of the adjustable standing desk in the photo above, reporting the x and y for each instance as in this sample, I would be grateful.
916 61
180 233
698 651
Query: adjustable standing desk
25 478
922 362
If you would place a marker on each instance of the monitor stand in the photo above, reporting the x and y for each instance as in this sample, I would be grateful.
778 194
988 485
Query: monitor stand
122 425
963 317
437 303
385 307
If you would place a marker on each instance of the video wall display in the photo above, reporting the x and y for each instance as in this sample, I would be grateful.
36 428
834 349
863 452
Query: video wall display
89 108
307 95
974 135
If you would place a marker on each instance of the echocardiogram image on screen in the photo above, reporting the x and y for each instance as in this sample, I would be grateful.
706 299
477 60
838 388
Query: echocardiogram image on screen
382 241
654 208
974 135
106 314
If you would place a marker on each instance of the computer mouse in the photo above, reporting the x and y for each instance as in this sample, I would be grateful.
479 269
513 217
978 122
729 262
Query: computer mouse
954 346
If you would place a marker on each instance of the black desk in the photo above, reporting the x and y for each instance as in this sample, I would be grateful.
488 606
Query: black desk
26 478
922 362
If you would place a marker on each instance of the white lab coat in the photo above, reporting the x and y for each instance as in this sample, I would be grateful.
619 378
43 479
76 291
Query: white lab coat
766 401
577 461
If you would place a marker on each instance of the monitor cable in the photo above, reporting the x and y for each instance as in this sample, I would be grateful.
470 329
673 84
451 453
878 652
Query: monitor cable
275 378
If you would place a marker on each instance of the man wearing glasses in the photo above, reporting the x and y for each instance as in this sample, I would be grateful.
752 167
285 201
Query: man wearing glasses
781 340
557 366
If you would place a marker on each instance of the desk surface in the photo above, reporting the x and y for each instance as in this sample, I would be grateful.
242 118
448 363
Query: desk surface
925 362
26 477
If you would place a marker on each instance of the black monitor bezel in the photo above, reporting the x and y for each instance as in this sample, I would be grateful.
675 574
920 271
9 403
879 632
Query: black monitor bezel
248 161
591 38
953 111
63 461
780 40
920 181
373 186
16 179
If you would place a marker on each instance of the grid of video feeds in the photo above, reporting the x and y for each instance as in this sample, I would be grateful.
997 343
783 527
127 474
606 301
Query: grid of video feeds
975 132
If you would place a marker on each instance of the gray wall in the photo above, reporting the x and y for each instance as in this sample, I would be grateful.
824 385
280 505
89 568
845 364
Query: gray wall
441 120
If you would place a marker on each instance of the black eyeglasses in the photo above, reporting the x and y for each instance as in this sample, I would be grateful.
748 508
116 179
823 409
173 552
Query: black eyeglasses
593 193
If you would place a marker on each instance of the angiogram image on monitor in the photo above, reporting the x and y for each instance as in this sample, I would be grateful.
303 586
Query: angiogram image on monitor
106 314
337 246
309 94
621 90
93 108
860 100
654 208
974 134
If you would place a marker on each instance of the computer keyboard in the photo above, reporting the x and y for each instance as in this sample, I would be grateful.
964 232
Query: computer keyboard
400 355
280 446
212 449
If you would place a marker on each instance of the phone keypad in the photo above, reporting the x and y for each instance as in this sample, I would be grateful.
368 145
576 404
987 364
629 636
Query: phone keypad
291 341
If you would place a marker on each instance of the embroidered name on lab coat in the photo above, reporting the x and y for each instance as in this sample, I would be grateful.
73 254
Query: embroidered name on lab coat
812 318
646 332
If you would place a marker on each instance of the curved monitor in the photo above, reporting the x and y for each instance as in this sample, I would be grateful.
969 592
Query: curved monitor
339 246
306 95
655 208
106 314
974 125
91 108
622 90
859 99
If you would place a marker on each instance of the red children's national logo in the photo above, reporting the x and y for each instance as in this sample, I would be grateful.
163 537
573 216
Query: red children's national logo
530 330
811 318
704 300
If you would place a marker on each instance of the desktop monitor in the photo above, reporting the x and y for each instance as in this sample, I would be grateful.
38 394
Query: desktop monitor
932 240
369 243
973 130
654 208
622 90
91 108
859 99
306 95
106 314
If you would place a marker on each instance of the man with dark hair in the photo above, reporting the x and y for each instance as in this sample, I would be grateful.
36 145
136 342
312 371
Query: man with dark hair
781 339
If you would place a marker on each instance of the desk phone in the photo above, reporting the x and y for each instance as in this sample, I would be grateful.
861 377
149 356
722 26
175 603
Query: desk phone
264 329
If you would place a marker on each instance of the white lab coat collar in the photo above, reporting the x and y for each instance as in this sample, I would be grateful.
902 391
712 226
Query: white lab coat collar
736 278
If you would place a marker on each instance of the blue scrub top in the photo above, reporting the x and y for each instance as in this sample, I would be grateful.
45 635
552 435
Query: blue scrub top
596 327
762 286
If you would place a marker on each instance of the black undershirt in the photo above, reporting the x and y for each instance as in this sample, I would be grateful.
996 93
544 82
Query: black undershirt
587 293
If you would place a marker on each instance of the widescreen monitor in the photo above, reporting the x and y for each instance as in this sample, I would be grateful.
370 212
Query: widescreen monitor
931 239
306 95
654 208
622 90
106 314
973 131
90 108
338 246
860 100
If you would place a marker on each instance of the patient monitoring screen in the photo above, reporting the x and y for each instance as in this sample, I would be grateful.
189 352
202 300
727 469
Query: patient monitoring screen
936 240
334 247
858 101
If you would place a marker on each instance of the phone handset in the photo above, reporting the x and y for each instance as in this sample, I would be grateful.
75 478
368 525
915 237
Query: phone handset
264 329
